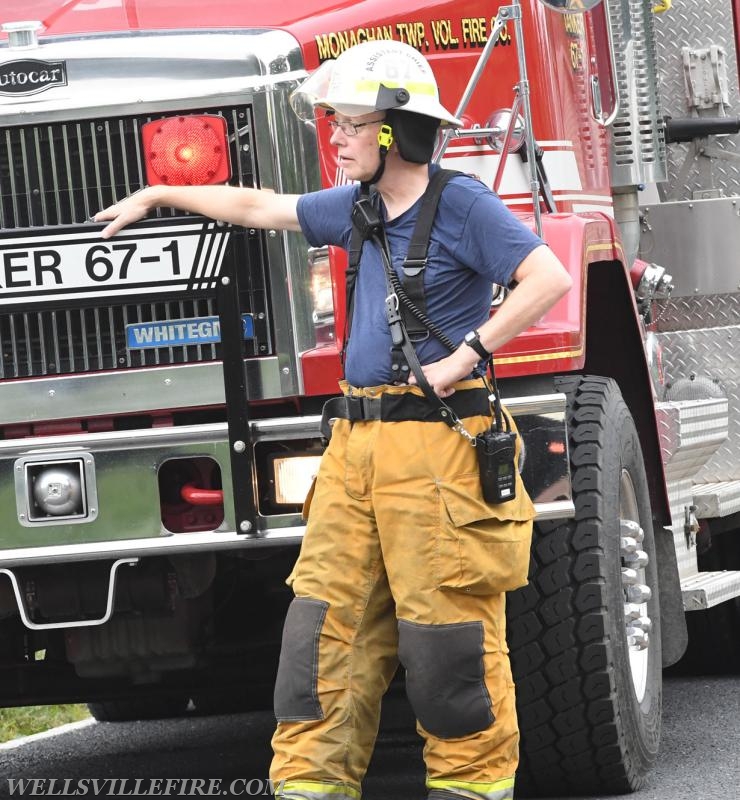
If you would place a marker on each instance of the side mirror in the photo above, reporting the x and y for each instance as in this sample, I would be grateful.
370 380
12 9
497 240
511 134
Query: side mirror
499 123
571 6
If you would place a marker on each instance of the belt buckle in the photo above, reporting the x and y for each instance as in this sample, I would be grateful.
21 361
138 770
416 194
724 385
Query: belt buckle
355 408
373 407
363 408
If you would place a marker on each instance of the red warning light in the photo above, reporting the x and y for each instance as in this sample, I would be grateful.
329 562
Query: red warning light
186 151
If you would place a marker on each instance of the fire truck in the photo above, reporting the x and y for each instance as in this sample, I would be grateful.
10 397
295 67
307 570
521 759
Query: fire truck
160 392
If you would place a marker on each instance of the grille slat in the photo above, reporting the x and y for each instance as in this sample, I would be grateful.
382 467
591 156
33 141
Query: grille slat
28 340
109 149
26 177
98 185
111 341
54 173
85 353
42 344
70 185
122 156
14 345
55 338
98 341
84 175
13 190
40 173
60 174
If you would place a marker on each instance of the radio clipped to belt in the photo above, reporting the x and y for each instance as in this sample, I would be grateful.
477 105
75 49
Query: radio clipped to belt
495 447
496 451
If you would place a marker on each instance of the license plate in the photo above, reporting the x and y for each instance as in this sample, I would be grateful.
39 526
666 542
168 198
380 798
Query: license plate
150 258
181 332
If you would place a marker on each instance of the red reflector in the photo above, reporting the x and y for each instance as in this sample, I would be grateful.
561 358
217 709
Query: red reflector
185 151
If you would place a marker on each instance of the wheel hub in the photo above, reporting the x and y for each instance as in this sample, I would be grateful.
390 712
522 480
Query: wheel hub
637 593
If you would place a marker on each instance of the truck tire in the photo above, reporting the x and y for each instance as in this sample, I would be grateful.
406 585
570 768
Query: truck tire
588 678
131 709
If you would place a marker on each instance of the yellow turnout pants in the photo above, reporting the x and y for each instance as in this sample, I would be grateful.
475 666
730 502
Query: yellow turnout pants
401 558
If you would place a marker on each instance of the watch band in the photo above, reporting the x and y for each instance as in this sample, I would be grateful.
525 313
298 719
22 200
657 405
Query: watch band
472 339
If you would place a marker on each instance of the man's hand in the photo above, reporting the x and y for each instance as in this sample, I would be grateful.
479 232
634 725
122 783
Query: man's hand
130 209
443 374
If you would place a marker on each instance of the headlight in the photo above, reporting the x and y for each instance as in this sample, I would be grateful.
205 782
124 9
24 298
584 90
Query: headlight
322 291
292 477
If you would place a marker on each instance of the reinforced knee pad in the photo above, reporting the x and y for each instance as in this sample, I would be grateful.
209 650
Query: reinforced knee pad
296 685
445 677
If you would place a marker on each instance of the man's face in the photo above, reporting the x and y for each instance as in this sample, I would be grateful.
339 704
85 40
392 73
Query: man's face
357 153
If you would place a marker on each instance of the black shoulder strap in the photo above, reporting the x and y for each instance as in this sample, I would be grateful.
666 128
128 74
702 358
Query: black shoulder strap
350 276
419 245
413 266
416 259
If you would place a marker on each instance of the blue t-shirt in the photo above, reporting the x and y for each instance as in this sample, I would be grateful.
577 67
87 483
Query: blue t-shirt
475 242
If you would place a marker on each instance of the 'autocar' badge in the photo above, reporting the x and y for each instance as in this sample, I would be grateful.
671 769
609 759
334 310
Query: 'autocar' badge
30 76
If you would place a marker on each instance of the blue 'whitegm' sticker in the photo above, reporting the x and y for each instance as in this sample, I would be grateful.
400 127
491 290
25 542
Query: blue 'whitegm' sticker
180 332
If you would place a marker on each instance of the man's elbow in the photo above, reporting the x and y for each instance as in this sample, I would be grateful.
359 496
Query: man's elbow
562 282
553 277
546 272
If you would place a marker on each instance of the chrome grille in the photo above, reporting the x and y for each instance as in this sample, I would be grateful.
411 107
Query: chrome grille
91 339
61 174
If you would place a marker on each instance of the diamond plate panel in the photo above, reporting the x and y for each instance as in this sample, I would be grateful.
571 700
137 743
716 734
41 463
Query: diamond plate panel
707 589
697 25
689 433
717 499
700 311
711 353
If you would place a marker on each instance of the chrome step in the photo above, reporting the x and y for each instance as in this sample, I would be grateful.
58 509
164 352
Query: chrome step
706 589
716 499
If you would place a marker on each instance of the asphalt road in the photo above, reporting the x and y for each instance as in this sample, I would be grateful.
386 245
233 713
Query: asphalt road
699 760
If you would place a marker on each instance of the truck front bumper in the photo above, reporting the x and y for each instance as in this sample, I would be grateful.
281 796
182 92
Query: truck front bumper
120 514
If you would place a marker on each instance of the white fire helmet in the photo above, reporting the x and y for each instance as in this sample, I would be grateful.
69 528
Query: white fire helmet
373 76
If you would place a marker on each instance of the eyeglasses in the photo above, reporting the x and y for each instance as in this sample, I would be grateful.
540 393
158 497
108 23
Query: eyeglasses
351 128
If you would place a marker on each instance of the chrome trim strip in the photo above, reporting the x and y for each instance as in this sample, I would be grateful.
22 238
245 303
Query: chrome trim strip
539 404
563 509
87 623
72 444
271 532
189 543
161 546
131 391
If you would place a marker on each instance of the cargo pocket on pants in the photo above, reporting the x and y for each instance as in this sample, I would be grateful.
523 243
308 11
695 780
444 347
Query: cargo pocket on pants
481 548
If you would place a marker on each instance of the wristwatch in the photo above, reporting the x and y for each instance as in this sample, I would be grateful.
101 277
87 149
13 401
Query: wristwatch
472 339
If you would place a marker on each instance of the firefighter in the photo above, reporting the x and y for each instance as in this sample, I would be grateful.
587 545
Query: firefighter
402 557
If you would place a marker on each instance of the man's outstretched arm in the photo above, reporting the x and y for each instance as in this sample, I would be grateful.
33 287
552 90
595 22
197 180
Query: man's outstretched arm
252 208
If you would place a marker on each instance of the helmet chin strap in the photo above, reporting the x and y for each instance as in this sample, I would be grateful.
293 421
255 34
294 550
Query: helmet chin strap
385 140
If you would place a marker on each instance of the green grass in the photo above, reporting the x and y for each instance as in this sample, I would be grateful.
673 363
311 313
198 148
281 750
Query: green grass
15 722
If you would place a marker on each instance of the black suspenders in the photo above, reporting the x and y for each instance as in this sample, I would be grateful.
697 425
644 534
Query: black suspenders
413 305
415 262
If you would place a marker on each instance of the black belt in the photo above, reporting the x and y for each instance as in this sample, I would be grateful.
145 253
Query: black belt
403 408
